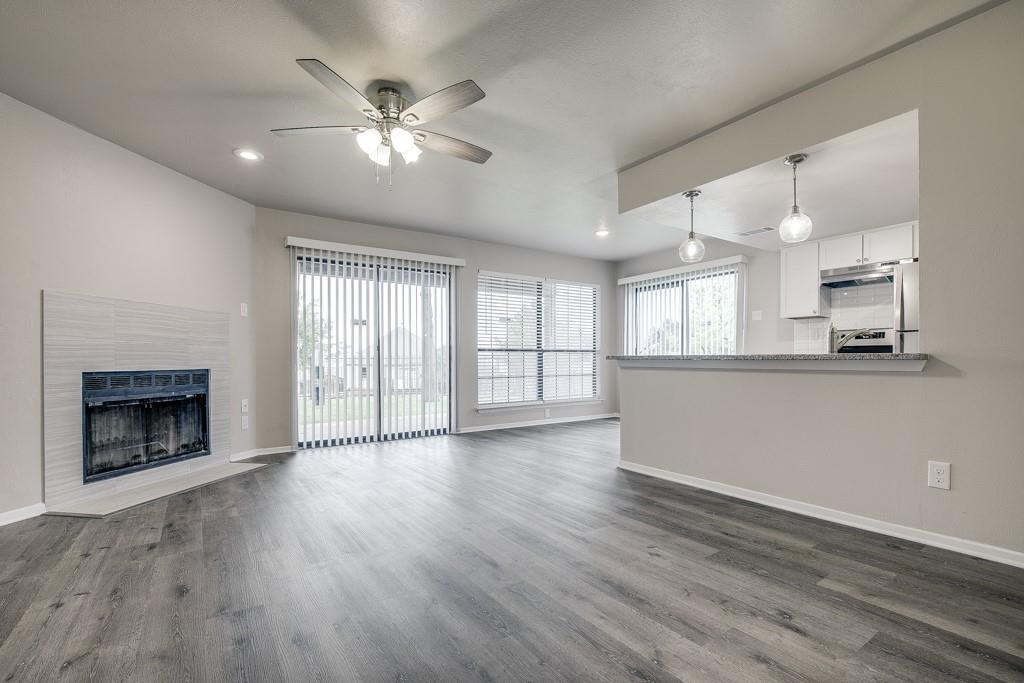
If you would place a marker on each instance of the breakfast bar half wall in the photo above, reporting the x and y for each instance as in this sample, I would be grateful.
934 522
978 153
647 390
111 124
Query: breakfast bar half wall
846 440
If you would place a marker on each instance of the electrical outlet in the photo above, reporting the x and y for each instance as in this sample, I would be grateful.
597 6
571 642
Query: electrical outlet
938 474
755 315
245 422
245 406
547 412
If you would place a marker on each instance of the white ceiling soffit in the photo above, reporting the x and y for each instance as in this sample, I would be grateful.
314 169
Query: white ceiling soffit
575 91
865 179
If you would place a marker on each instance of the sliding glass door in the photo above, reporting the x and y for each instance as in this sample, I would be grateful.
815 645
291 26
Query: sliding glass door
372 347
413 396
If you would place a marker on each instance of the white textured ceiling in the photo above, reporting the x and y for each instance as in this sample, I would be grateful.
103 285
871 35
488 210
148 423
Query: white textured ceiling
575 90
864 179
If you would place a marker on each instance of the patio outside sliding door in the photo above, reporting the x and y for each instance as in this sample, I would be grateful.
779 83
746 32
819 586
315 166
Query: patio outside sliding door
372 347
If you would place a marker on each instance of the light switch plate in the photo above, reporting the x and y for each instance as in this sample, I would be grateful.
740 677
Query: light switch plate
755 315
938 474
245 422
245 405
245 310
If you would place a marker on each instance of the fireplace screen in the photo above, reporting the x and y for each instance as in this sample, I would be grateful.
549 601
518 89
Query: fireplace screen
135 420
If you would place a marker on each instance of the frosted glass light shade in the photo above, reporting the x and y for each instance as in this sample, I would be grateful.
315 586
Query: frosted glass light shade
796 227
381 155
369 140
412 154
691 251
401 140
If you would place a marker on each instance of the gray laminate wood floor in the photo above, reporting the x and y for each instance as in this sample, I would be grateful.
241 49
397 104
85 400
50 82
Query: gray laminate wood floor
514 555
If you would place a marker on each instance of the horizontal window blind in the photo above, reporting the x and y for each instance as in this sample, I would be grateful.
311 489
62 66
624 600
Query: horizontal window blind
509 339
698 311
537 340
570 341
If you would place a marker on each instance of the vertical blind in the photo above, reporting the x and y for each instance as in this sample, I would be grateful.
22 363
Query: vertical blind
691 310
372 347
537 340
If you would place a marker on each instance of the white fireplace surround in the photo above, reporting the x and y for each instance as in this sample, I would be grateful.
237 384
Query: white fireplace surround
84 333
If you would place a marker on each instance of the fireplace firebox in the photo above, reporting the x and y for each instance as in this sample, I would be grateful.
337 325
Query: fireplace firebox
133 421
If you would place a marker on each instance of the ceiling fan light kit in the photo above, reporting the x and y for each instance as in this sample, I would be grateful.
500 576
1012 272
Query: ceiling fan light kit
401 140
391 115
369 140
381 155
412 154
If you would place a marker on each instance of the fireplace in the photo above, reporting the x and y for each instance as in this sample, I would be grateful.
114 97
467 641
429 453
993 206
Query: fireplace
133 421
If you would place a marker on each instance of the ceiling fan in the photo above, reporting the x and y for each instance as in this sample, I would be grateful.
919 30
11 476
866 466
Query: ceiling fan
391 121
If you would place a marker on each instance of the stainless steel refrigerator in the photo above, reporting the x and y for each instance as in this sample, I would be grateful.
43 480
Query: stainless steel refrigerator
906 302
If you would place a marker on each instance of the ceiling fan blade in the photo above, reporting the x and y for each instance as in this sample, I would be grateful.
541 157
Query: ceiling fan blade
339 86
452 98
317 130
453 146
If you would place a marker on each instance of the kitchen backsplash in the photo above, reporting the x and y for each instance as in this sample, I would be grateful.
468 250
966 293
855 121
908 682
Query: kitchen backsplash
852 308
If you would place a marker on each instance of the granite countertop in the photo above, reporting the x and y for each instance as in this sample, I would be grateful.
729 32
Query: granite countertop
787 356
782 362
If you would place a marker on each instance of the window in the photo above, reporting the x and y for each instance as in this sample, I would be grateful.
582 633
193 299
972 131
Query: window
694 310
537 340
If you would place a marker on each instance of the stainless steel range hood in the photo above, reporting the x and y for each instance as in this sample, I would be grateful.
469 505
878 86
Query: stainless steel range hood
854 276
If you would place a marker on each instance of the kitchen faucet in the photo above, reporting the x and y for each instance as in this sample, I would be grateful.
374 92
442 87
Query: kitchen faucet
835 343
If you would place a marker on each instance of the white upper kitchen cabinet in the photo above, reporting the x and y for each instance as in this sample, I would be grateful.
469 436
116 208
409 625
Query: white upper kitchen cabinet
840 252
889 244
874 246
800 283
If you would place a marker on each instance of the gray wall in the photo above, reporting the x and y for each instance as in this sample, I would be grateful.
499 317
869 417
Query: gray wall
80 214
771 334
859 443
272 308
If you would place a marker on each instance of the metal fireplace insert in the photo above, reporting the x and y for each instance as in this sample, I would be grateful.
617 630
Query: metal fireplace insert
133 421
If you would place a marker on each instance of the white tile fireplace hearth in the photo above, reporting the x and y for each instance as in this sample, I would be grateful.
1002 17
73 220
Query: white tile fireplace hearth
84 333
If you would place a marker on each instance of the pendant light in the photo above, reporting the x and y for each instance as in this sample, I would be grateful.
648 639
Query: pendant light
796 227
692 250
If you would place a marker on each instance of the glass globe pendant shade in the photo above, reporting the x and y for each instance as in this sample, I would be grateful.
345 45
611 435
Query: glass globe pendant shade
796 227
401 140
412 154
381 155
369 140
692 250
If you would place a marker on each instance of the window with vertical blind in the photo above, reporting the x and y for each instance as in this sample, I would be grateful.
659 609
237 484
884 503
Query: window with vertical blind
692 310
537 340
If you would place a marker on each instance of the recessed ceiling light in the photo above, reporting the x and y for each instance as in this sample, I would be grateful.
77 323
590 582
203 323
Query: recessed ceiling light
248 154
602 231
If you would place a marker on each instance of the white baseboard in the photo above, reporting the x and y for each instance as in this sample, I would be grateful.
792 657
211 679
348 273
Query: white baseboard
245 455
27 512
959 545
533 423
